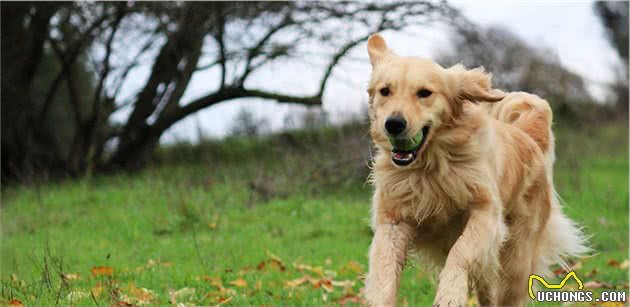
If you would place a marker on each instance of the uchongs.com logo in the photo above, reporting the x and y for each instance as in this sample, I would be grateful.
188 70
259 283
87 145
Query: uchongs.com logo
553 293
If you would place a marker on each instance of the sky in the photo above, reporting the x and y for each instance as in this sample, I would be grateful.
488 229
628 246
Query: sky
569 28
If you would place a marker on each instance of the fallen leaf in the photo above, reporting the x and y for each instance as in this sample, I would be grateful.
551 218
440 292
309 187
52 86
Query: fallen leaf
343 283
613 263
352 267
214 281
296 282
77 295
304 267
223 300
596 284
271 263
141 296
70 276
102 271
15 303
180 295
276 259
592 273
624 265
324 284
348 298
97 290
239 282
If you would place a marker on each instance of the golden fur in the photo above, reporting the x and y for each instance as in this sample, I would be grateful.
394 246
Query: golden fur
478 200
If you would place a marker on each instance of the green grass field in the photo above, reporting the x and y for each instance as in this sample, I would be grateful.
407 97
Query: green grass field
257 223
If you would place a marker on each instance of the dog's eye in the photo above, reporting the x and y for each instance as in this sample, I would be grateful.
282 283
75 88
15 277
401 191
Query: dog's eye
384 91
423 93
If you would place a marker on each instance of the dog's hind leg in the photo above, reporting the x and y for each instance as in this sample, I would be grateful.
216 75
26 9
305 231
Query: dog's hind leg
526 223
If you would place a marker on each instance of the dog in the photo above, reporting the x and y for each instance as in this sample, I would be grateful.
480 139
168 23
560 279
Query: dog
462 176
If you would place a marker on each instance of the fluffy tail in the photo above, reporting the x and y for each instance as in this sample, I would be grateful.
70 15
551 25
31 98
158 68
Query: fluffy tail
562 239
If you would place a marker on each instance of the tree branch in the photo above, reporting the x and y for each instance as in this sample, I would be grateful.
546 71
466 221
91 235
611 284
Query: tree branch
67 59
220 23
255 51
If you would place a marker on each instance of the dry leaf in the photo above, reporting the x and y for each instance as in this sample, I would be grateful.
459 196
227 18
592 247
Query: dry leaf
239 282
324 284
296 282
70 276
15 303
353 267
77 295
613 263
304 267
102 271
223 300
142 296
624 265
596 284
97 290
180 295
273 263
214 281
348 298
592 273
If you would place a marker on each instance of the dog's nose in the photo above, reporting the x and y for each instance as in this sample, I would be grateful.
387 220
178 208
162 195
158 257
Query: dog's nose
395 125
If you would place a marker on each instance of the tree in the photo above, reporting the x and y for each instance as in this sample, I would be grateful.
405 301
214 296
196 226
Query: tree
614 17
179 39
516 65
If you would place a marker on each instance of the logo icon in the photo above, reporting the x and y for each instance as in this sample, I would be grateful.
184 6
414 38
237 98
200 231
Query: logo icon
552 286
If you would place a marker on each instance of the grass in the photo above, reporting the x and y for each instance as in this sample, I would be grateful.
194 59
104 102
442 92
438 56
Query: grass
239 233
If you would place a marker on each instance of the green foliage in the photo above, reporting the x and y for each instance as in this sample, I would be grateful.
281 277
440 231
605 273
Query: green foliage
182 224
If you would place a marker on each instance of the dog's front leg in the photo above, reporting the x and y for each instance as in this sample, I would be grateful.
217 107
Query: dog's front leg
387 259
474 252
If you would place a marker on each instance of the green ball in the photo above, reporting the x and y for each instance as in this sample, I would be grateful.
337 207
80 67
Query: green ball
408 143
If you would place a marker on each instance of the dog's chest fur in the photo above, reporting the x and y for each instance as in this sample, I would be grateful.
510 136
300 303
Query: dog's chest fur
443 185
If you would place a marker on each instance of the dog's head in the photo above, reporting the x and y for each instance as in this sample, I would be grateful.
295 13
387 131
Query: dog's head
411 98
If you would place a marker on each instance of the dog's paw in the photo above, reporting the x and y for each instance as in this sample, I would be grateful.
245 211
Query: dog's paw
446 302
450 297
375 296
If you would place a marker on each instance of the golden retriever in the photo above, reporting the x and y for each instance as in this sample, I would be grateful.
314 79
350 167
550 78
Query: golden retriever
463 176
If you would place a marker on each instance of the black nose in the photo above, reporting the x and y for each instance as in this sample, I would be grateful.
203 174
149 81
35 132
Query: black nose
395 125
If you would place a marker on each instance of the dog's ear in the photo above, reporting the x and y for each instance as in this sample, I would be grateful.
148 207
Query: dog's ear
377 48
474 85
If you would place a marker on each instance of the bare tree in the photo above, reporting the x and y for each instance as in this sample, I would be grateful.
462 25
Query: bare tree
516 65
177 40
614 17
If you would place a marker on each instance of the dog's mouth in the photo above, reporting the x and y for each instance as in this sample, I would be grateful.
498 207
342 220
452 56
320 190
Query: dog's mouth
405 150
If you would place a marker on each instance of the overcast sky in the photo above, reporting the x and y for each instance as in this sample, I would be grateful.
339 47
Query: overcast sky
570 28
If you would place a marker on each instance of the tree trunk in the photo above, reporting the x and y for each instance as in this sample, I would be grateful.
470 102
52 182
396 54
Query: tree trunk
22 49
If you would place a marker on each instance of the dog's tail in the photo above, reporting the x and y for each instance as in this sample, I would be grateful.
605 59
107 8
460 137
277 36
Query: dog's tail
532 115
561 240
